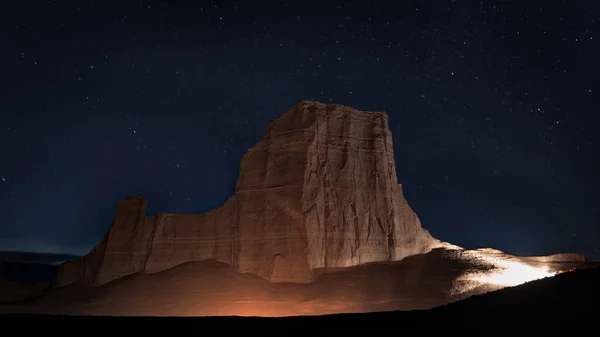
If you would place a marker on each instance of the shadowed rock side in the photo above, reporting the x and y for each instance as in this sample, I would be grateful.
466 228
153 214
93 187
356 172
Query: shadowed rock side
318 191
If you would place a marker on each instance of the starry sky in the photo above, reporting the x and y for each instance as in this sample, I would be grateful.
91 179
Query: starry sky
493 107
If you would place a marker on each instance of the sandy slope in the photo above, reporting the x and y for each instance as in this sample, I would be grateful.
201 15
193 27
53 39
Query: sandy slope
212 288
564 305
13 291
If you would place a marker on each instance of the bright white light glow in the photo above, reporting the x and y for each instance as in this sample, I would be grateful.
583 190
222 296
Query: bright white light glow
505 271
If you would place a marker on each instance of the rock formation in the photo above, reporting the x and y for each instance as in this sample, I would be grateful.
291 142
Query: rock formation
319 191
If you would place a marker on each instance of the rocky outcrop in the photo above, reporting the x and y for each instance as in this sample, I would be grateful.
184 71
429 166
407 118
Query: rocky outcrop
319 191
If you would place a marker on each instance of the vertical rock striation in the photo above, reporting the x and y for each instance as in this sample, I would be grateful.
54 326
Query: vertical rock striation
319 191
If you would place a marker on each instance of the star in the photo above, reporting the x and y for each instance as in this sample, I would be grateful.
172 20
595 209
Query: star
453 121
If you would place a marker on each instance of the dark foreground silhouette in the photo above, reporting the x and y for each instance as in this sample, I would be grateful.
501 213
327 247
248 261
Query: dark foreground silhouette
562 304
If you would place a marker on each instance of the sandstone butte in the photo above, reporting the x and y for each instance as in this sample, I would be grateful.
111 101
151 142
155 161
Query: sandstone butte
318 192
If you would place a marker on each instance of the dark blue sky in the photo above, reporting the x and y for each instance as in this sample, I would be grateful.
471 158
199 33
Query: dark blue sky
493 107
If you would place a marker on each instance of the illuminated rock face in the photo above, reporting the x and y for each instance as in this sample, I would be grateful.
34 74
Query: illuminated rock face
318 191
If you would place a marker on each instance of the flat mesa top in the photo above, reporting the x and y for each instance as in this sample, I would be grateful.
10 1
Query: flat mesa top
306 112
332 107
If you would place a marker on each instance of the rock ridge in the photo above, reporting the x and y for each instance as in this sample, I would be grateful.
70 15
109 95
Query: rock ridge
318 191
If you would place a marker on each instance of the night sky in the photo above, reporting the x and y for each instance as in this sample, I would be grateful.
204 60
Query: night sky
493 107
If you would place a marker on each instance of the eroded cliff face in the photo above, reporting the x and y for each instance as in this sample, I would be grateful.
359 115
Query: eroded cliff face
318 191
